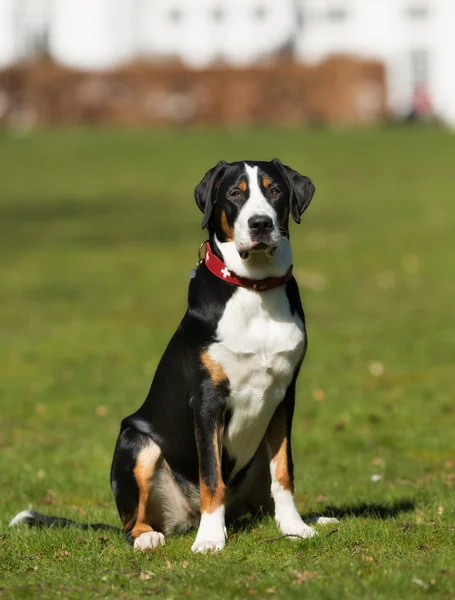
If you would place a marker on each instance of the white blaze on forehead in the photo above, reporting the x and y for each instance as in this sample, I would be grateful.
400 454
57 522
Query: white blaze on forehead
256 203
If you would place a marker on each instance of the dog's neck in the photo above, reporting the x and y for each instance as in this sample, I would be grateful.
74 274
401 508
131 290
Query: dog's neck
258 265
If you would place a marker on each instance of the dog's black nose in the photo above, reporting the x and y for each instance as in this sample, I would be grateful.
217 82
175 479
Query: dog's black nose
260 224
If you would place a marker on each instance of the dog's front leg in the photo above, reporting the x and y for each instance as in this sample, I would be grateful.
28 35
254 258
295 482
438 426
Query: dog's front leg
209 426
278 439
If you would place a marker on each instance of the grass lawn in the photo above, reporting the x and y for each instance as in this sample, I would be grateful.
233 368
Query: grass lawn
98 231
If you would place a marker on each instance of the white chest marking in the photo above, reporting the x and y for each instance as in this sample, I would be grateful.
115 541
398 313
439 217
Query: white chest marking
259 344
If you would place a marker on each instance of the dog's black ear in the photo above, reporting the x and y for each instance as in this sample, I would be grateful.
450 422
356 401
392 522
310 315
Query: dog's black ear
301 189
205 191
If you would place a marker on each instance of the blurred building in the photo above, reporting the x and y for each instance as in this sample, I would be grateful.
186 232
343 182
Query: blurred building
414 38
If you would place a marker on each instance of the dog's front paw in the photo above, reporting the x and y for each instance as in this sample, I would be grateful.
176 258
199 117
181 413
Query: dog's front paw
149 541
211 534
296 527
208 546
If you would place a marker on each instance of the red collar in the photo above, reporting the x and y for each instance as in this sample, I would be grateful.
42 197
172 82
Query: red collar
218 268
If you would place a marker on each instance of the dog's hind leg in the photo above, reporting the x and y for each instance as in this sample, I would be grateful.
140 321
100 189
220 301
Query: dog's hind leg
136 460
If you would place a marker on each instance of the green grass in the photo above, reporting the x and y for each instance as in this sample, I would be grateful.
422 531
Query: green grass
98 231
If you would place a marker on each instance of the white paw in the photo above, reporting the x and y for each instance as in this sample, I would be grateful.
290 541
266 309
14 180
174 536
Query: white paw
149 541
210 546
296 527
211 534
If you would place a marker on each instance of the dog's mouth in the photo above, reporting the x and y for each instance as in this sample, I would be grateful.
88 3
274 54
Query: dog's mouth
257 247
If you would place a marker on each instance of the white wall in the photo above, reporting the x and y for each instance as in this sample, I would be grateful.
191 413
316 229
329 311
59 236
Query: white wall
200 32
93 34
391 31
9 38
443 61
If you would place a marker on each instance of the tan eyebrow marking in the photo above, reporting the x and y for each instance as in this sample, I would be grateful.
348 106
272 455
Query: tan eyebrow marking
242 186
266 182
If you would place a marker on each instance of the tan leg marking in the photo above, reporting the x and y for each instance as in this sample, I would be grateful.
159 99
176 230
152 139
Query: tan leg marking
278 445
211 501
143 471
215 370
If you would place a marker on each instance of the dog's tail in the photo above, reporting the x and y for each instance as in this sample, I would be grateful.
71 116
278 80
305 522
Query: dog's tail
31 517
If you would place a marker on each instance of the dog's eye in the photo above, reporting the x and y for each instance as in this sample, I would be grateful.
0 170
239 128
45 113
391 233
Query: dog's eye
275 191
234 194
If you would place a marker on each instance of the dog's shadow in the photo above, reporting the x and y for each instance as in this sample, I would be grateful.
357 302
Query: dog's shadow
363 510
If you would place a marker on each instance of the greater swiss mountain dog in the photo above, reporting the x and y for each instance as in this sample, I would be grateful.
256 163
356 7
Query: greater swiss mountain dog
212 440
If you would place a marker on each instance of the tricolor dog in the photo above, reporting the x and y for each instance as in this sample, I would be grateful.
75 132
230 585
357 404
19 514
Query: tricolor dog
212 440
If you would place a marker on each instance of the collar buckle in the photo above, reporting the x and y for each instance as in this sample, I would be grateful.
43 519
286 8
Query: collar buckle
200 256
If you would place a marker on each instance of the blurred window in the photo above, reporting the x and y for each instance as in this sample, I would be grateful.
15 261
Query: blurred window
337 14
175 15
417 12
218 14
420 66
33 22
260 13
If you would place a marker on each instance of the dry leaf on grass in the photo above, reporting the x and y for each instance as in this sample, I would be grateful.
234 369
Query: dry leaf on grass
321 498
103 539
319 394
376 368
301 576
418 581
314 282
386 280
366 558
425 547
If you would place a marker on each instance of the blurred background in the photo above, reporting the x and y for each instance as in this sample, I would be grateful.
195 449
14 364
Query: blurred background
238 62
111 111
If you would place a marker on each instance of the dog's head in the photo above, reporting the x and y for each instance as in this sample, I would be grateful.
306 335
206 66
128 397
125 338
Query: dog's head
248 203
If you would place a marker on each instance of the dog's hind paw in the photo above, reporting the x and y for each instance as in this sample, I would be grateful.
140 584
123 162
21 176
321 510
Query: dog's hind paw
149 541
